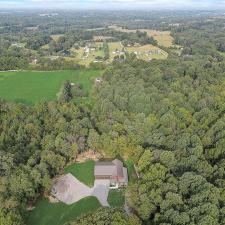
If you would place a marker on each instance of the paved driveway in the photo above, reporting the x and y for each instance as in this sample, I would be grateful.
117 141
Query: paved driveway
101 191
70 190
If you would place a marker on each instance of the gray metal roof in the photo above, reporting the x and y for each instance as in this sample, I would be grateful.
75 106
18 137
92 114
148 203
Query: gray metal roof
119 167
114 168
125 176
104 169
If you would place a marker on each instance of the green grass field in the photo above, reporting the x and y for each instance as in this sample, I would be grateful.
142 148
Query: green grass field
83 172
116 198
46 213
31 87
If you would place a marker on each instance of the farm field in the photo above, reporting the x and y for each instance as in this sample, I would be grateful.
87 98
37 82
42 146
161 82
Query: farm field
115 49
46 213
148 52
163 37
31 87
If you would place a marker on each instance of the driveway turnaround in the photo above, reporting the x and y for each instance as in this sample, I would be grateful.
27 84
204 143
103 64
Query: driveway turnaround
69 189
101 191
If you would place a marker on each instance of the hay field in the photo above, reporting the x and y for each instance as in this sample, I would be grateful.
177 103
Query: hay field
164 38
31 87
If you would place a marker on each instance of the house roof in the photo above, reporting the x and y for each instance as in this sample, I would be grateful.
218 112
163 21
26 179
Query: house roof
125 176
104 169
114 169
119 167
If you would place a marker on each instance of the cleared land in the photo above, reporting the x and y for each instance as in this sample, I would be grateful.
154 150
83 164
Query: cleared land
164 38
31 87
84 172
145 52
87 55
46 213
86 58
113 48
148 52
56 37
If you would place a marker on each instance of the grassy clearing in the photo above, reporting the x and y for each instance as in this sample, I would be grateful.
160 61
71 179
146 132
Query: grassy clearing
141 52
56 37
114 46
83 172
116 198
84 58
164 38
46 213
45 46
31 87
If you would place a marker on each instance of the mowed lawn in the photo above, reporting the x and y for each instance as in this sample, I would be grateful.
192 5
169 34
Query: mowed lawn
84 172
116 198
46 213
31 87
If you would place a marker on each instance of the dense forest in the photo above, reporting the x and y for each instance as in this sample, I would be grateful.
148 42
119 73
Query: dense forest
170 120
167 116
36 143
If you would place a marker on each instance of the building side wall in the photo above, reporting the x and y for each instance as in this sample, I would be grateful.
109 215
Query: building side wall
102 177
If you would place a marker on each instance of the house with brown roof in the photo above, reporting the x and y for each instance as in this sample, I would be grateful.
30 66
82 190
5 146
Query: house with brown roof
113 171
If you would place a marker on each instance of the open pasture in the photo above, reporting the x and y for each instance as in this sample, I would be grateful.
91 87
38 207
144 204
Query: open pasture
164 38
31 87
147 52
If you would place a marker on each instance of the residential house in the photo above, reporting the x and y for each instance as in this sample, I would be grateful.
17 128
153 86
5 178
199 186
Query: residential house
112 170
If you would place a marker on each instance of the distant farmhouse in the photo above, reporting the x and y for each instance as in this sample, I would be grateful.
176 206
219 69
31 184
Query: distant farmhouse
113 171
151 52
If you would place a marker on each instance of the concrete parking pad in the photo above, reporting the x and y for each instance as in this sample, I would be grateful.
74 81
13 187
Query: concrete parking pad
101 191
69 189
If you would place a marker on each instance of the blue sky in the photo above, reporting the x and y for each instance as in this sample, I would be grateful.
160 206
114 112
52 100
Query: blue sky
115 4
